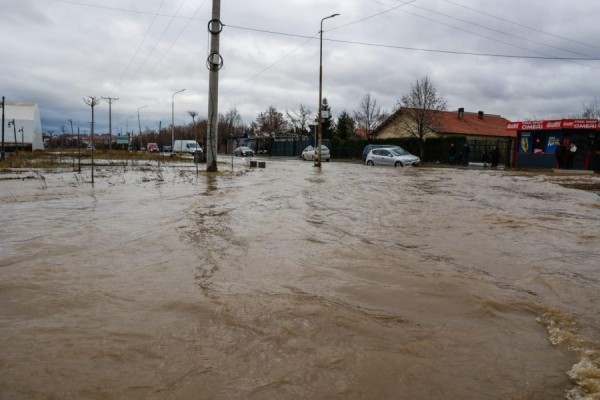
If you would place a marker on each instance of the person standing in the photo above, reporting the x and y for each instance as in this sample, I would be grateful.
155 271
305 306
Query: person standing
495 157
465 154
571 155
452 154
560 154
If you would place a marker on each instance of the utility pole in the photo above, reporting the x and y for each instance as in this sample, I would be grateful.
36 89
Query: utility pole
214 64
110 100
92 102
319 144
12 123
2 152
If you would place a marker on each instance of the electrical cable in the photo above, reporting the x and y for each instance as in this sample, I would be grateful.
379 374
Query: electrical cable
543 57
271 65
142 41
158 41
521 25
499 31
177 38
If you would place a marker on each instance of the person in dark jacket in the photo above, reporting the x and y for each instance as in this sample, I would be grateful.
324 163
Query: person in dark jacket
452 154
561 153
495 157
465 154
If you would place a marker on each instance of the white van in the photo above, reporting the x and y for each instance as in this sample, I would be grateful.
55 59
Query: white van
186 146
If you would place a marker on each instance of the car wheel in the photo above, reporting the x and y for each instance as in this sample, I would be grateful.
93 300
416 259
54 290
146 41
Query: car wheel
398 164
370 163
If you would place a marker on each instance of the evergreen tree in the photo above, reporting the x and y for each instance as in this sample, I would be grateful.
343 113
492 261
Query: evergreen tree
345 126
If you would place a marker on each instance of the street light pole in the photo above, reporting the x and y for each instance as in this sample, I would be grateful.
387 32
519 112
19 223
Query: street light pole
140 125
321 90
173 119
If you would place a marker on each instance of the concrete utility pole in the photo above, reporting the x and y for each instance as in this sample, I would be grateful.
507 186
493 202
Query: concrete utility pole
318 164
173 120
92 102
214 64
110 100
2 152
140 127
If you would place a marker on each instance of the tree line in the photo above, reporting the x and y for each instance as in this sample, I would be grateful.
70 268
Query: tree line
422 103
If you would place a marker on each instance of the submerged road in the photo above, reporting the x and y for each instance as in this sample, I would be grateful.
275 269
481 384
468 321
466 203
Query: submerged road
292 282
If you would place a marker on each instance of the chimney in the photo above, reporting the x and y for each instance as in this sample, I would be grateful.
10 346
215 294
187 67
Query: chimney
480 114
461 113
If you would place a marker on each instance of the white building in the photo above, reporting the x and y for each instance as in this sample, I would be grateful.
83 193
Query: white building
27 126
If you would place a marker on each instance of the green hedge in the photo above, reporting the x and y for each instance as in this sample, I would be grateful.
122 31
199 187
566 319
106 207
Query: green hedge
436 149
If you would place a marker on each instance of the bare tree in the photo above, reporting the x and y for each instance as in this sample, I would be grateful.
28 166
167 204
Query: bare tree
300 119
369 115
591 110
231 124
423 106
270 121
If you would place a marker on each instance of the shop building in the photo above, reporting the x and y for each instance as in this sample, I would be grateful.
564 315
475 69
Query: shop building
563 144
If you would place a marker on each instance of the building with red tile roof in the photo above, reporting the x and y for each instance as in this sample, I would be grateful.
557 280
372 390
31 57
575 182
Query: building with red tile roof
472 125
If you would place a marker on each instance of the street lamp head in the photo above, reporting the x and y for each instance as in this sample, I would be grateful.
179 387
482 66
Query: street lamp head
179 91
331 16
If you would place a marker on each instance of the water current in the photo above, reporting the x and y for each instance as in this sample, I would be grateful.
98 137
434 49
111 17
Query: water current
291 282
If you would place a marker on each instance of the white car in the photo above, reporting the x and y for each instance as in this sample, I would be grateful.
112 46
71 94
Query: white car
393 156
311 153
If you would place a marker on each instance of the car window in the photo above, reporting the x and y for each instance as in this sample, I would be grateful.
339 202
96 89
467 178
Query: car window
376 152
399 151
386 153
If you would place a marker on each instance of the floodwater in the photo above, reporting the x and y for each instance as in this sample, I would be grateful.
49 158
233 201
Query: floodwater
291 282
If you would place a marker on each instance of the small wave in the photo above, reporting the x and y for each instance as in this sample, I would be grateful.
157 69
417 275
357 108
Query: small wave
585 374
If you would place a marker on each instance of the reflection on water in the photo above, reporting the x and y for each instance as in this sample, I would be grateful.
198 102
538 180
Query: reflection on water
295 282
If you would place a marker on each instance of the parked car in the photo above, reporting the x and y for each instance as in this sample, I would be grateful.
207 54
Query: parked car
186 146
131 148
311 153
152 148
243 151
393 156
166 149
370 147
89 147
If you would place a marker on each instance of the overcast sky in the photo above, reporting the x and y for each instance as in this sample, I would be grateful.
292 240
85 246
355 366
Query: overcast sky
503 57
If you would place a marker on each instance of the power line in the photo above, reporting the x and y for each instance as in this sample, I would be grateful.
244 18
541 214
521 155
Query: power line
142 41
420 49
373 16
158 41
521 25
75 3
273 64
467 31
178 36
499 31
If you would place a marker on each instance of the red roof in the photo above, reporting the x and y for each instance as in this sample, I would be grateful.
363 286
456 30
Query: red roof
478 124
466 123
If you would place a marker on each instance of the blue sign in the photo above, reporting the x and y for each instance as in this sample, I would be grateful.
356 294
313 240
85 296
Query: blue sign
553 141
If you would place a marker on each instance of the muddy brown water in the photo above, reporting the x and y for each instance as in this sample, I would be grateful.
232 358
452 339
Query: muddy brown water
289 282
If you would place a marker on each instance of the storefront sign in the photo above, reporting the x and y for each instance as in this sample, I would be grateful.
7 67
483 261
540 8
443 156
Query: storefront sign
553 125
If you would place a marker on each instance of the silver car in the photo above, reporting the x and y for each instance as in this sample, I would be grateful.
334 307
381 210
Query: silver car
392 156
311 153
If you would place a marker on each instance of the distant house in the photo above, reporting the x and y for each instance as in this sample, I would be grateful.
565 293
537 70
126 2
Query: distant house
27 129
474 126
